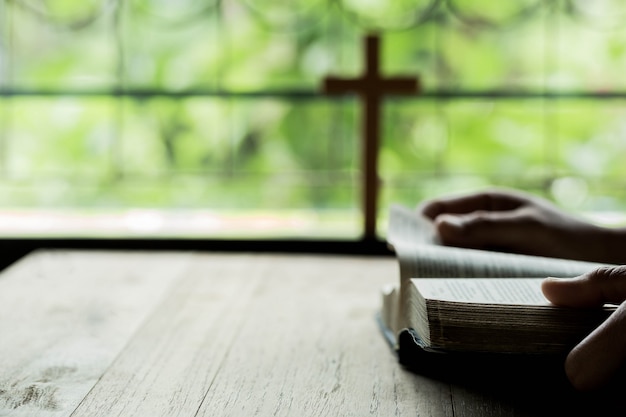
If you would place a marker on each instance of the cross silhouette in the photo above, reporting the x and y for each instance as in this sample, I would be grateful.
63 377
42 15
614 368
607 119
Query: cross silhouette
371 87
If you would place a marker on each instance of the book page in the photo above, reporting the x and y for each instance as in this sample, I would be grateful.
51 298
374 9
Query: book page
409 228
411 236
516 291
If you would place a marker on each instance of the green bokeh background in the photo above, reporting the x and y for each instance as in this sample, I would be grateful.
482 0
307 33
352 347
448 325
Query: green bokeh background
110 105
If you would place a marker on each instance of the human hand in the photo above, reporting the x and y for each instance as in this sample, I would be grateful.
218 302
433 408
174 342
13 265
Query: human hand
596 359
516 222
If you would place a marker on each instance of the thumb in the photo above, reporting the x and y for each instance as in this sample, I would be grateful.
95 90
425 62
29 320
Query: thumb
595 288
597 358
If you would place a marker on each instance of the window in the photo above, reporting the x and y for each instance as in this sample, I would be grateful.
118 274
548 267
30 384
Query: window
206 119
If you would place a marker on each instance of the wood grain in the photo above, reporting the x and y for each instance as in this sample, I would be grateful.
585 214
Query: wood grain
63 319
174 334
266 335
310 346
170 364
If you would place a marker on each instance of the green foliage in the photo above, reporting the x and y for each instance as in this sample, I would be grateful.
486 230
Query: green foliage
203 139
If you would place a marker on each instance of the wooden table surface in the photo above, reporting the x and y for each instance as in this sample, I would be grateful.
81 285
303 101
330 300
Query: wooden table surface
200 334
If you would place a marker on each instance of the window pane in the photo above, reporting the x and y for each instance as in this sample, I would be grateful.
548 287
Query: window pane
212 110
60 45
566 150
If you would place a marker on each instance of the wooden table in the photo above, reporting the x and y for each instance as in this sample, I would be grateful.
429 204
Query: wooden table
199 334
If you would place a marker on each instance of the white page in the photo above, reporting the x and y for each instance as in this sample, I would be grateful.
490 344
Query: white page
517 291
412 237
420 256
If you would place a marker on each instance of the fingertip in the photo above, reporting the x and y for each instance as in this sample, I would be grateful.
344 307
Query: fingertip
450 219
430 209
550 288
598 360
575 372
449 227
571 292
550 281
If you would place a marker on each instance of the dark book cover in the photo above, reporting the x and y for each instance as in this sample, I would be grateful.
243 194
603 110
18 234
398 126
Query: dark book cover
523 380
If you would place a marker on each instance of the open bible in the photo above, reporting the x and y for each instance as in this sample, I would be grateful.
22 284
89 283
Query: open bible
455 306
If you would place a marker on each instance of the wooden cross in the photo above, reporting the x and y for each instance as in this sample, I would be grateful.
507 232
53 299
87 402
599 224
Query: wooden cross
371 87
